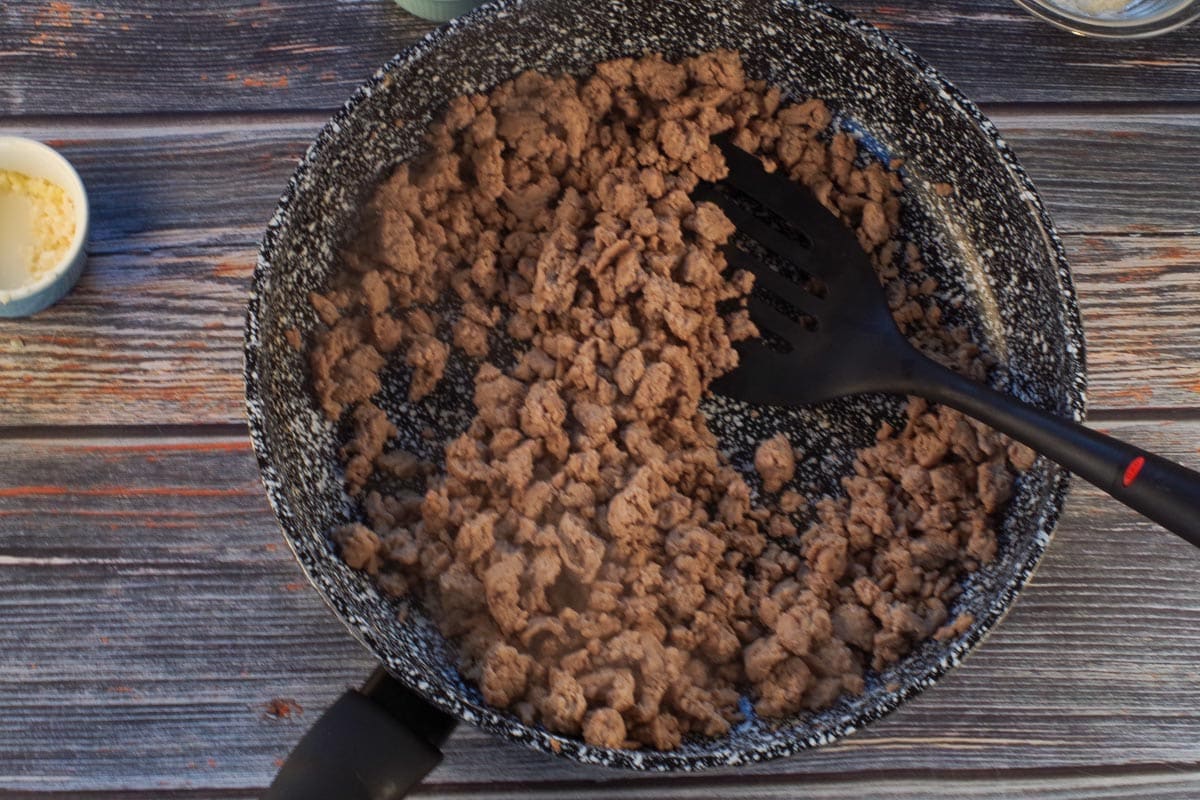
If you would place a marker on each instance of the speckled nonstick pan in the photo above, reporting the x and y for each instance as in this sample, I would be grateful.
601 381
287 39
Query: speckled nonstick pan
991 245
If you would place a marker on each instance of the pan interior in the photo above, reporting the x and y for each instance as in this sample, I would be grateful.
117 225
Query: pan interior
990 245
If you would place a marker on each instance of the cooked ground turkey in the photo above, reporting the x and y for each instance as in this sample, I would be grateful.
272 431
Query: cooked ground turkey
602 570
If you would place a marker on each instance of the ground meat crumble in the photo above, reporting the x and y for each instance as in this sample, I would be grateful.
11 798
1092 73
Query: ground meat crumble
602 570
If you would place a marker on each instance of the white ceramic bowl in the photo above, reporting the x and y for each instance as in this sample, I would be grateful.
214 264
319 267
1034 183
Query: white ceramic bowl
39 161
1139 19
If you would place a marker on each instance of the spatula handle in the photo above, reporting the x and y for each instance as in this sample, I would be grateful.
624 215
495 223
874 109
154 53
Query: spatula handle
1160 489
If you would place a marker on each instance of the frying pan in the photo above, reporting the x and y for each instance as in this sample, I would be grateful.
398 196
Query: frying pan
991 246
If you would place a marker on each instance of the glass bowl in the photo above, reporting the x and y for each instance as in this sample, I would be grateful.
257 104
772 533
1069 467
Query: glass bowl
1139 18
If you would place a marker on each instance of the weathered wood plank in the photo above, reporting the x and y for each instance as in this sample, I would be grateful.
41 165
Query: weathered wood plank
151 611
1162 786
1112 172
1090 785
152 334
100 56
144 338
1138 297
936 786
217 181
155 337
96 56
183 184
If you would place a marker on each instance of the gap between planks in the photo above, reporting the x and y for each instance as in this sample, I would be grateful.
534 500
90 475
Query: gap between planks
1099 783
216 430
221 430
991 49
1041 696
176 122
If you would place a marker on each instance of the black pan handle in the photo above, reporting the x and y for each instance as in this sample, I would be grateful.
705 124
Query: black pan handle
376 743
1162 490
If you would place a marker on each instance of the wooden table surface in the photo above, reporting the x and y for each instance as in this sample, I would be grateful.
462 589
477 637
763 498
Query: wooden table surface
151 613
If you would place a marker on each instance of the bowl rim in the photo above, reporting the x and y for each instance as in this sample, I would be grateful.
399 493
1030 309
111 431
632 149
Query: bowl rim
79 198
1109 27
791 741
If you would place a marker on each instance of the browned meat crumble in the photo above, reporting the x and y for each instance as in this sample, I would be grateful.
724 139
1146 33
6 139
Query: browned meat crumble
600 567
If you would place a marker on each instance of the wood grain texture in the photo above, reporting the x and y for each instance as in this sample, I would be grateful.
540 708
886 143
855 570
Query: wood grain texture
152 334
1074 785
105 56
1161 786
101 56
151 612
217 180
155 337
1138 297
183 183
144 338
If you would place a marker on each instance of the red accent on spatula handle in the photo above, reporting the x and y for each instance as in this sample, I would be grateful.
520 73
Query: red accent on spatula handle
1131 472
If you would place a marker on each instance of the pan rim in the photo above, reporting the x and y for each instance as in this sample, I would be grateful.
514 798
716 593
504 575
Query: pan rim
791 740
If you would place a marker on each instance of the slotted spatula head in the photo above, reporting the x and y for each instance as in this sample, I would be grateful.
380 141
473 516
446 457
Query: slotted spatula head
826 328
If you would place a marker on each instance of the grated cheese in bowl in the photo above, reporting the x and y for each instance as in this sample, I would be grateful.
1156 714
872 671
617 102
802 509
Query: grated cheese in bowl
37 226
1097 6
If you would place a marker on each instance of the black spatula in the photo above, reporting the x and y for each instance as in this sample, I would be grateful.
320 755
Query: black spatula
828 333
